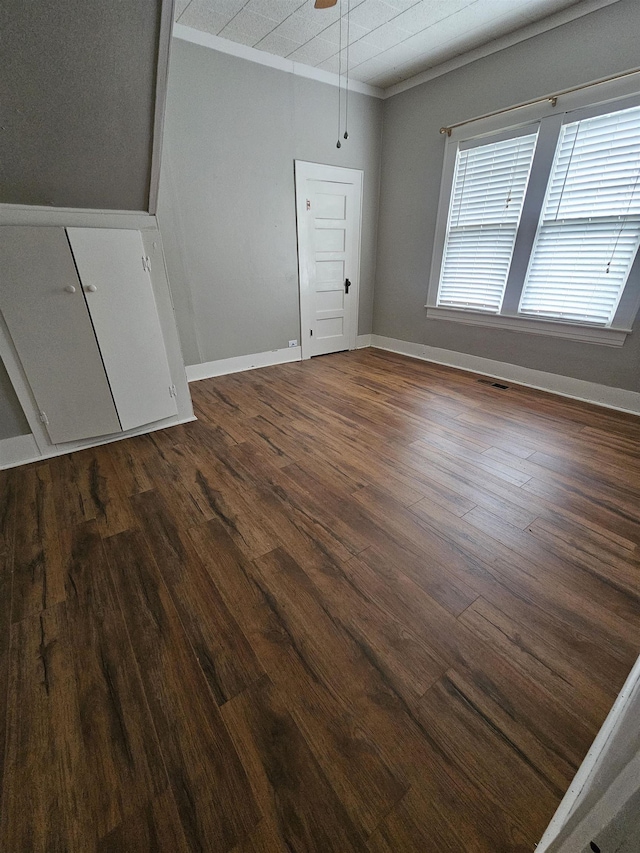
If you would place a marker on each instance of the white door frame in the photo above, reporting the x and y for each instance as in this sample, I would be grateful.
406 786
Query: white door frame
320 171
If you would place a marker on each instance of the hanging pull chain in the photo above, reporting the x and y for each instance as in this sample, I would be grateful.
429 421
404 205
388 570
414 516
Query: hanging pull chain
338 143
623 220
513 177
346 112
566 174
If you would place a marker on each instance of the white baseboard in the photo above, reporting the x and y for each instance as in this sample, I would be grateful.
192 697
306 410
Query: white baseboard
17 450
363 341
242 362
23 448
576 389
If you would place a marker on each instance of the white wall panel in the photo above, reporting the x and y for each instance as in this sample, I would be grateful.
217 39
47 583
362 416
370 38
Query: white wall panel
46 314
123 310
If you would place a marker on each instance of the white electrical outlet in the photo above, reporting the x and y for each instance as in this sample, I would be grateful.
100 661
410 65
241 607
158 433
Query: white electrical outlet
293 343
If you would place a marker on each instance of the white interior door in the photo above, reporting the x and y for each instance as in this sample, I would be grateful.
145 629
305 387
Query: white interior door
329 212
44 308
117 286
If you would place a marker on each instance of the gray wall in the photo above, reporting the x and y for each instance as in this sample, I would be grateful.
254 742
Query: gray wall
12 419
77 98
227 205
602 43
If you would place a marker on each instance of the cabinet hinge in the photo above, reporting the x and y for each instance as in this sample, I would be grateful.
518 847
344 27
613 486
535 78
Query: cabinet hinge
146 263
172 391
44 419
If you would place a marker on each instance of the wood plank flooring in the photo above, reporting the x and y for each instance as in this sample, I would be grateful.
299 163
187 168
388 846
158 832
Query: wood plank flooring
362 604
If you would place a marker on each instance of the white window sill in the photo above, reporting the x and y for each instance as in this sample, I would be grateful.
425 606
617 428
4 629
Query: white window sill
556 328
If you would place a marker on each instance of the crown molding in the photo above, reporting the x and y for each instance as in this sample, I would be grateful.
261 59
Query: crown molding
243 51
551 22
557 19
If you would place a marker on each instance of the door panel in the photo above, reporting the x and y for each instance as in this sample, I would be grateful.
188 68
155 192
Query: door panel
329 206
329 239
120 299
329 271
329 328
329 300
46 314
329 211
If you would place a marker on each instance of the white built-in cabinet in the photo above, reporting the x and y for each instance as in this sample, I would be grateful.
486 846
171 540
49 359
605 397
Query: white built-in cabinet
79 306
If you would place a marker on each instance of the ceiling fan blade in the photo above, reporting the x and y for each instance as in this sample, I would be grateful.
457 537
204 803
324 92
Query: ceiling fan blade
324 4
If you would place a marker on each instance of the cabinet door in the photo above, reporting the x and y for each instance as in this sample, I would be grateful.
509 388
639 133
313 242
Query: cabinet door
46 314
120 298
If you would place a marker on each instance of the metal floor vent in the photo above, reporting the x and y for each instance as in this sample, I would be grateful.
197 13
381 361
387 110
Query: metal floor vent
494 384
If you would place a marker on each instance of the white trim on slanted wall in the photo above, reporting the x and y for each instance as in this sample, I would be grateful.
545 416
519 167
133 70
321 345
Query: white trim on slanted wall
363 341
223 366
23 448
243 51
18 450
68 217
162 73
576 389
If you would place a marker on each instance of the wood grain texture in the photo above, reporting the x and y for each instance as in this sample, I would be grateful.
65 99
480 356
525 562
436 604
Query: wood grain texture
118 734
156 826
223 651
364 603
206 776
287 781
38 575
348 757
46 797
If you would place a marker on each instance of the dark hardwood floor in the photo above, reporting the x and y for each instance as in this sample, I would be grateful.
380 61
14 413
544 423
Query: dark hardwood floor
363 604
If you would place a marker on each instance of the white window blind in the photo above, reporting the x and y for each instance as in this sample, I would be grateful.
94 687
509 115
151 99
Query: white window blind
489 186
590 224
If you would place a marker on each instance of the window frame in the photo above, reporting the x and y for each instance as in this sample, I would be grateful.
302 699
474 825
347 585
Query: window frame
613 96
478 142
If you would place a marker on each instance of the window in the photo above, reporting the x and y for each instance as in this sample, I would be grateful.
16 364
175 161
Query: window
590 223
486 203
542 226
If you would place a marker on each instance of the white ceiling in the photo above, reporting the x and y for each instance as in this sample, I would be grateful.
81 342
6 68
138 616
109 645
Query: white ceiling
389 40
